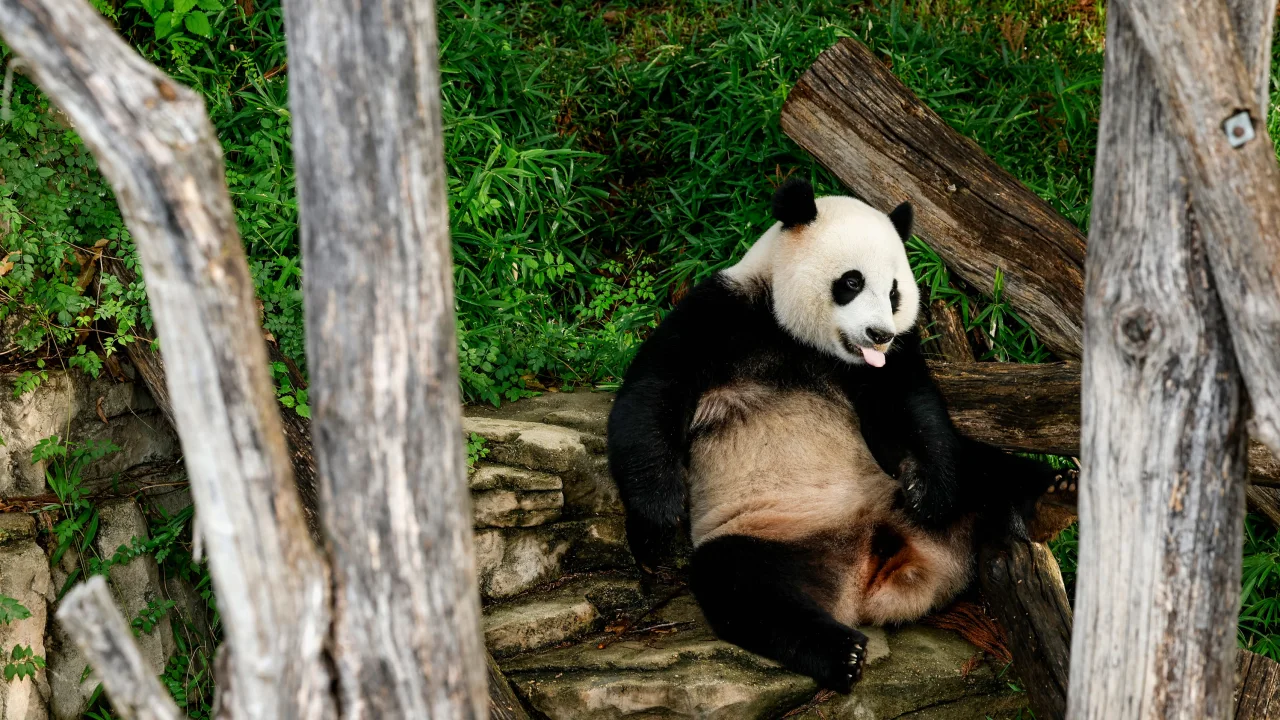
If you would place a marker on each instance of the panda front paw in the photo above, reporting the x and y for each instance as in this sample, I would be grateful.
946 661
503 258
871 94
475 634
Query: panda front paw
838 658
652 542
930 501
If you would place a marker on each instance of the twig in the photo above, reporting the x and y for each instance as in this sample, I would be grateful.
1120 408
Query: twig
89 615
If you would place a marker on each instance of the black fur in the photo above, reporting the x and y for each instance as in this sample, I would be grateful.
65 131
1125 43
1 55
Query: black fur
847 287
760 595
754 594
903 217
793 203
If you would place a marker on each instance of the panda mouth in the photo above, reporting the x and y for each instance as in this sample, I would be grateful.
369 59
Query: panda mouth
874 356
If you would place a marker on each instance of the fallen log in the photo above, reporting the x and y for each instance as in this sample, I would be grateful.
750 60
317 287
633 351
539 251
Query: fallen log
1022 585
944 333
1257 695
1028 408
1036 409
864 125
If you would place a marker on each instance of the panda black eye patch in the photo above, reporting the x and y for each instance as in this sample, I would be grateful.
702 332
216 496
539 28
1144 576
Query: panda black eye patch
894 297
847 287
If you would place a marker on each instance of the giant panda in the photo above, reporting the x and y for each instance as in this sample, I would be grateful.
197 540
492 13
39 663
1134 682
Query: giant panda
784 415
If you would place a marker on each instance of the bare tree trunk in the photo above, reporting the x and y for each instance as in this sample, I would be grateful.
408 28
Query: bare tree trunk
1212 74
503 703
386 410
91 618
1163 417
154 143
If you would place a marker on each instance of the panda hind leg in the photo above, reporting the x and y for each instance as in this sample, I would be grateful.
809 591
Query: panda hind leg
757 594
1009 486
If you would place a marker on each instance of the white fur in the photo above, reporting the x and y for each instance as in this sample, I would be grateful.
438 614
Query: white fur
801 264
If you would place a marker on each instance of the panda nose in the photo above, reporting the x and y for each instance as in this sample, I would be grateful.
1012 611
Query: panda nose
878 336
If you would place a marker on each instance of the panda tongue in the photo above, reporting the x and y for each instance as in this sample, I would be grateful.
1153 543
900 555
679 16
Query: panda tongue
874 357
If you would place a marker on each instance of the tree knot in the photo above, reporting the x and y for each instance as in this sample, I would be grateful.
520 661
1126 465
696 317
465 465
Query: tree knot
1137 329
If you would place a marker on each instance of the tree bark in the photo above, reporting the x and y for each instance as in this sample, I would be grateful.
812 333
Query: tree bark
1265 501
1029 408
1036 409
1257 687
90 617
386 407
155 145
503 703
945 333
1200 60
860 122
297 431
1022 586
1164 443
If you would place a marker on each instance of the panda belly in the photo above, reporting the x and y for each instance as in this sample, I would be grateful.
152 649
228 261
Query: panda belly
791 466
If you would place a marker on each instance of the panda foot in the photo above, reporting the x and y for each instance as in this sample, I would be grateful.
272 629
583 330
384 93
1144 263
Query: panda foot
1063 488
1065 481
838 666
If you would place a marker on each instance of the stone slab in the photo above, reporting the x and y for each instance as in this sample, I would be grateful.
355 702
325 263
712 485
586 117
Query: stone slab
578 458
24 576
539 620
584 410
684 671
512 561
133 584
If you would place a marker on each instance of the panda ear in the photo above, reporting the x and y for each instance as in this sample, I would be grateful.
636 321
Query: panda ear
793 203
902 217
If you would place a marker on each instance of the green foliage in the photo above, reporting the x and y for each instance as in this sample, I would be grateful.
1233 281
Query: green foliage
476 451
78 526
1066 549
600 159
30 380
21 662
12 611
188 675
1260 597
289 396
151 615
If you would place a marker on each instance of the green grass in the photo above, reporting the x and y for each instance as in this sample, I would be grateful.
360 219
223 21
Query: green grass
601 157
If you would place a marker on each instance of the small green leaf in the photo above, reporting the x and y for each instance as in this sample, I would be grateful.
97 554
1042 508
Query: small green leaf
153 7
198 23
165 24
11 610
182 6
303 410
209 5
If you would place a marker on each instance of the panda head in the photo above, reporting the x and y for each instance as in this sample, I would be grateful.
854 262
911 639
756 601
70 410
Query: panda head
839 273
